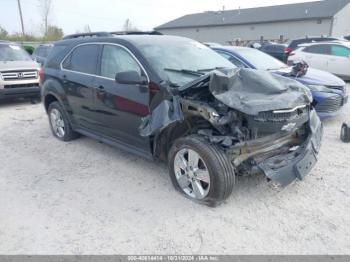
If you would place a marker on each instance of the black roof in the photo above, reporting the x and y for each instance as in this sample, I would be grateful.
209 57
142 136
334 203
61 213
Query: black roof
278 13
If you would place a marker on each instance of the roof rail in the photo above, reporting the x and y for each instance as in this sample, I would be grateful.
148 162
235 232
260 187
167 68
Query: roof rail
91 34
136 33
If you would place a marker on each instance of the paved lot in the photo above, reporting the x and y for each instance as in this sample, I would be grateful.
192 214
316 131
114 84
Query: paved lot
85 197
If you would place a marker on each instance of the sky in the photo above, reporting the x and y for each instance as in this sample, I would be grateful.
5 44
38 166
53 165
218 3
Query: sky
110 15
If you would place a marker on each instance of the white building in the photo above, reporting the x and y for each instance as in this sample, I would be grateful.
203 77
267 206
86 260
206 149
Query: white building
328 17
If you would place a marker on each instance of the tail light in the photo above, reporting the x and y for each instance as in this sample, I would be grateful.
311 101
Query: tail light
288 50
41 75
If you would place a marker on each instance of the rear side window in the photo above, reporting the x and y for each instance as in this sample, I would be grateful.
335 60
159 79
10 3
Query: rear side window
83 59
338 50
116 59
318 49
38 51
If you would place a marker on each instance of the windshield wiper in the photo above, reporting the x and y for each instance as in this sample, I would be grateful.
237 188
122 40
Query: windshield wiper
210 69
185 71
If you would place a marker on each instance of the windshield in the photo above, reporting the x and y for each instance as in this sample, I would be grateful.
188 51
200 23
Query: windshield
259 59
181 60
13 53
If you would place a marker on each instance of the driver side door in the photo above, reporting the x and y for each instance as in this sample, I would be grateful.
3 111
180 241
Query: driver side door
119 108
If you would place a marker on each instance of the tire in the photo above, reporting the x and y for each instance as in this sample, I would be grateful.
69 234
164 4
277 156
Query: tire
58 116
345 133
214 173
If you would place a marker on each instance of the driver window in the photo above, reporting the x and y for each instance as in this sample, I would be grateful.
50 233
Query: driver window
116 59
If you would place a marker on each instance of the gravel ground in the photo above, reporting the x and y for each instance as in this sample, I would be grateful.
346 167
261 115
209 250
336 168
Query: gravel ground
84 197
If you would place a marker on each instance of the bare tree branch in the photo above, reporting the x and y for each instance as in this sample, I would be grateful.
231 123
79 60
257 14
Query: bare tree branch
45 10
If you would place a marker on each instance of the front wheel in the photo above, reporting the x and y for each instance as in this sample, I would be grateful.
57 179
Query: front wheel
200 170
59 123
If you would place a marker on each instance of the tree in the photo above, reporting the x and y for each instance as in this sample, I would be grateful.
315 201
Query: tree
128 26
54 33
45 8
87 29
3 33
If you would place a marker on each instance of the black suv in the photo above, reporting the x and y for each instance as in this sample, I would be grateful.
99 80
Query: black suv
174 99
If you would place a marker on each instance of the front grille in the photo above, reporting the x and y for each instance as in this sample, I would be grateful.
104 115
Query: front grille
19 86
330 105
344 89
19 75
285 116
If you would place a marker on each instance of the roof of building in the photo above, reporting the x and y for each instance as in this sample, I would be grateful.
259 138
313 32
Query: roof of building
278 13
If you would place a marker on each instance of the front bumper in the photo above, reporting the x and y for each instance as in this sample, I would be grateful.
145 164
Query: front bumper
286 168
30 91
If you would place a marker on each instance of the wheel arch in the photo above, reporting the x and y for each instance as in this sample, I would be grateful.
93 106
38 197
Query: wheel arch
163 141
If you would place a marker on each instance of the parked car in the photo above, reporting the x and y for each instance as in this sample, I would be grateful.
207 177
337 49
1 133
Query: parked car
294 44
333 57
211 44
41 53
329 92
275 50
19 74
174 99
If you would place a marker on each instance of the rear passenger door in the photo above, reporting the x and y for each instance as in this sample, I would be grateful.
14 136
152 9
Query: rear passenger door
121 107
339 63
79 69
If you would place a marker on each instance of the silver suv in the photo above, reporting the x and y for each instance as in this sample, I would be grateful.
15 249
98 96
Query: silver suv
19 74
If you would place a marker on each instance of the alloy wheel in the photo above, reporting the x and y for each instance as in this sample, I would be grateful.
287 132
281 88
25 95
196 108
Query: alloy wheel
192 174
57 123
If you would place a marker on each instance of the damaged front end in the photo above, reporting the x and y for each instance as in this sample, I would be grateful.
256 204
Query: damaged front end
264 123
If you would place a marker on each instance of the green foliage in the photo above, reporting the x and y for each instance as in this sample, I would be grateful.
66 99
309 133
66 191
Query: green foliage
3 33
54 33
29 49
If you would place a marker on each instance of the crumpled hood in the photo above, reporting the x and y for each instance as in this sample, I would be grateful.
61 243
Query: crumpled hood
18 65
246 90
315 77
252 91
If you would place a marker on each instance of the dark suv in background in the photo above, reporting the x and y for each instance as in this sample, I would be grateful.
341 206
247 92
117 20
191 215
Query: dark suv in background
41 53
174 99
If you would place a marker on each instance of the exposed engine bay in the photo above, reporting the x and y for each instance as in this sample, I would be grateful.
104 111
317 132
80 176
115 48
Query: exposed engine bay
262 121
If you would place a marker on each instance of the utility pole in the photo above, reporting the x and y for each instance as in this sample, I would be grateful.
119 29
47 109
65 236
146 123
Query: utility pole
21 16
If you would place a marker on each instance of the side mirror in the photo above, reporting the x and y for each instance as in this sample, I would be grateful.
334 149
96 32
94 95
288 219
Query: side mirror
130 78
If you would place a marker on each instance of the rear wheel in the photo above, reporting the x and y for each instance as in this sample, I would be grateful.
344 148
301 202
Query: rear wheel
200 170
345 133
59 123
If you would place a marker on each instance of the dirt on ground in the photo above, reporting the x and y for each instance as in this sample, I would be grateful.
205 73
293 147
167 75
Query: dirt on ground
84 197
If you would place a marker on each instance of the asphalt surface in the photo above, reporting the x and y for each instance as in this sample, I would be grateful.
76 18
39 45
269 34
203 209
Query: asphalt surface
84 197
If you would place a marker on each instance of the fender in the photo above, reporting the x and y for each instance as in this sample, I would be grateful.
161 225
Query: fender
54 88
